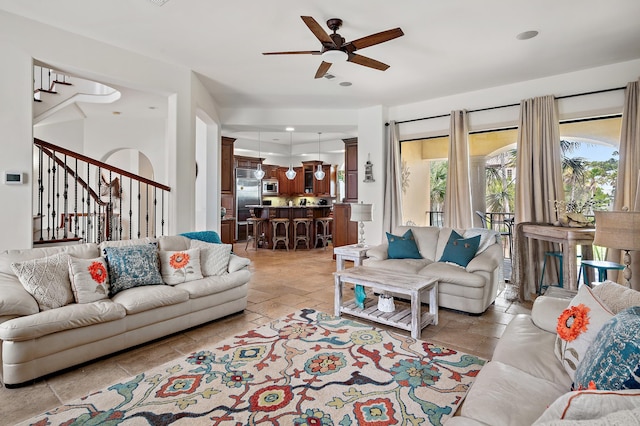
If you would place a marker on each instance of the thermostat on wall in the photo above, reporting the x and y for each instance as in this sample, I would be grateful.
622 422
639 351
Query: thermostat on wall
13 178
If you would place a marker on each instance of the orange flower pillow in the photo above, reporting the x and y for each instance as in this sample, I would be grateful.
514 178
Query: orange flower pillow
578 326
180 266
89 279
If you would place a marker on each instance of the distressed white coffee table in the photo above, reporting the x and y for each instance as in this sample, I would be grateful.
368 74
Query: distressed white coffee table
413 319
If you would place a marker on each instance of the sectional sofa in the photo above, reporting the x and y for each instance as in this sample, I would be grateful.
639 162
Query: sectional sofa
43 331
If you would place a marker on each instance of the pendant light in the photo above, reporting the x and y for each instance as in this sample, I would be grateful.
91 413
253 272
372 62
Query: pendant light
259 173
319 174
290 174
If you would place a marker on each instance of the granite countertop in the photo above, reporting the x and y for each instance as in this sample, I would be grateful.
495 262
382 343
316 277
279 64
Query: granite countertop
308 206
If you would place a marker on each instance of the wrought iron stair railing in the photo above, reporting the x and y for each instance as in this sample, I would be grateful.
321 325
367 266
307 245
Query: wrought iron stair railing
83 199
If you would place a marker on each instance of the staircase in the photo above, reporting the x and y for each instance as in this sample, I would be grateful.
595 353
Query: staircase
78 199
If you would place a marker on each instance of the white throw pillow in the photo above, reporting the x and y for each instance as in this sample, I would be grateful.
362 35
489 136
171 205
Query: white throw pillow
46 279
89 279
214 258
617 297
590 405
179 267
578 326
488 237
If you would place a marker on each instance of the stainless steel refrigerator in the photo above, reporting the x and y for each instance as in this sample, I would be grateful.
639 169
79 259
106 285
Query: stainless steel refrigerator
248 192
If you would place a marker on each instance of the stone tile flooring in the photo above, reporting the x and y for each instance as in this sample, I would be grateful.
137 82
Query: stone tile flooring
281 283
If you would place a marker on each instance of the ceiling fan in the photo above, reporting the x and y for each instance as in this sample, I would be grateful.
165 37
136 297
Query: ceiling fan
335 48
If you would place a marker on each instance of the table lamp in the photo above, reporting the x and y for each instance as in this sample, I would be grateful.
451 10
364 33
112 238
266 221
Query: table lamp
361 212
619 230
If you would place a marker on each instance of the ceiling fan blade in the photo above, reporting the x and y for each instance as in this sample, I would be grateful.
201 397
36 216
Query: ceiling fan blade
317 30
367 62
322 69
377 38
297 52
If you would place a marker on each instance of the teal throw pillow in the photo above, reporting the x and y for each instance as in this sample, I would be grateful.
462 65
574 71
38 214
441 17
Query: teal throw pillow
459 250
612 361
132 266
403 247
206 236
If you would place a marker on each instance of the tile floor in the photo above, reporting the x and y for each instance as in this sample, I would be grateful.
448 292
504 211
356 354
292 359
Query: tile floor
281 283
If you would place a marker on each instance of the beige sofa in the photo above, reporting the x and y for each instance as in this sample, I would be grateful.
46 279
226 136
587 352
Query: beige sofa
525 383
472 289
38 342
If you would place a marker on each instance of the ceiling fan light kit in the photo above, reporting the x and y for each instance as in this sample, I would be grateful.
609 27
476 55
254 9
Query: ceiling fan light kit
336 49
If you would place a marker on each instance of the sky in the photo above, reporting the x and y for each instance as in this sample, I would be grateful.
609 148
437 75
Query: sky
594 152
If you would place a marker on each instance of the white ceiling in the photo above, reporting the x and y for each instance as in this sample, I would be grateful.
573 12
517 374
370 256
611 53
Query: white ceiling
449 47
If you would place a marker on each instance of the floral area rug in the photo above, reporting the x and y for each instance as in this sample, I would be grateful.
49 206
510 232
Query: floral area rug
309 368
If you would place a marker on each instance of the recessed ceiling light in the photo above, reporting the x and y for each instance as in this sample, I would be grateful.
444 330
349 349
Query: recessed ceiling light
153 107
527 35
116 113
289 129
345 83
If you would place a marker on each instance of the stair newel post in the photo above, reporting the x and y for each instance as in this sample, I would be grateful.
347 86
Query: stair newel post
65 198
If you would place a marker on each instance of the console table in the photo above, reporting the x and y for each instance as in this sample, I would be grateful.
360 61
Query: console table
411 319
570 238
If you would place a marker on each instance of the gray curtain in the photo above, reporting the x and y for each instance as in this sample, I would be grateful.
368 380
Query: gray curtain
392 204
628 174
538 184
458 211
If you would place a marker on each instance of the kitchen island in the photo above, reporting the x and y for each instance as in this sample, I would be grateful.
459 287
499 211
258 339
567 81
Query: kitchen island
313 211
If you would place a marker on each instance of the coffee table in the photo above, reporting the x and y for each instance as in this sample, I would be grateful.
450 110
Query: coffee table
411 319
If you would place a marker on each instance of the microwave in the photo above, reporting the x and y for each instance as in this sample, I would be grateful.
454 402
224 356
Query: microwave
270 187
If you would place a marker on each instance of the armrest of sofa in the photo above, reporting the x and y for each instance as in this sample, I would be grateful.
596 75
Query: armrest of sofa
546 310
378 252
237 263
487 261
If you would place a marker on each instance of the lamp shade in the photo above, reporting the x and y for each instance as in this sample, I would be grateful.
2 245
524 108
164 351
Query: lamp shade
361 212
618 230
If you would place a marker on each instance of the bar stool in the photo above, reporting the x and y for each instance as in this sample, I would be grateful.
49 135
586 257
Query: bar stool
282 237
547 254
306 222
323 234
602 266
256 225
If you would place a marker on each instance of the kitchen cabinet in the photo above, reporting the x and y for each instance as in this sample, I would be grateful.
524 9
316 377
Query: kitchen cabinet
351 170
345 231
321 188
226 166
270 171
227 230
288 187
242 162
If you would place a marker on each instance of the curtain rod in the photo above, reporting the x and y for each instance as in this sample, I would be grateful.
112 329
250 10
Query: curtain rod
510 105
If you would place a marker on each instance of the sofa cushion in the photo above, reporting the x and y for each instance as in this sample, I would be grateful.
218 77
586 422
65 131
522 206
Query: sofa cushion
132 266
617 297
402 247
237 263
591 405
214 258
214 284
140 299
503 395
63 318
89 279
578 326
454 274
180 266
425 237
128 243
407 266
528 348
612 361
460 250
46 279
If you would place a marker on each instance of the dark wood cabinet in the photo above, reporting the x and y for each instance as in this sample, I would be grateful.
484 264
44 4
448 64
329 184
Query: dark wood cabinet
227 230
313 186
288 187
345 231
270 171
351 170
226 166
247 162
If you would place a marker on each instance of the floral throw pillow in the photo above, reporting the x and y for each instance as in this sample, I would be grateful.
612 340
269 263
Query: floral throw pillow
46 279
180 266
578 326
89 279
